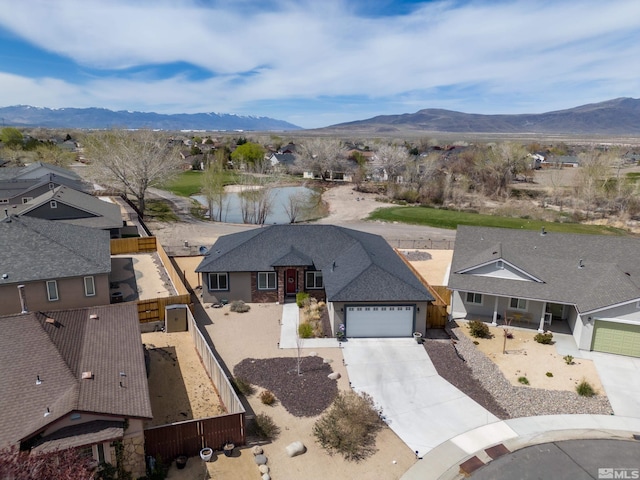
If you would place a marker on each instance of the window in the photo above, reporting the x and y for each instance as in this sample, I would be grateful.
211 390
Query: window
314 280
474 298
500 265
266 280
218 281
52 290
518 304
89 287
26 199
4 200
53 204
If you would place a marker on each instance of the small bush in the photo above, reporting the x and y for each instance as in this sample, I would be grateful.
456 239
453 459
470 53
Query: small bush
568 359
349 426
476 342
523 380
478 329
267 397
549 374
305 330
585 389
265 427
301 299
243 387
239 306
545 338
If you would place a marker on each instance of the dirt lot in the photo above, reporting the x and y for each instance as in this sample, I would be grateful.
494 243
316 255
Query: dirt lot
525 357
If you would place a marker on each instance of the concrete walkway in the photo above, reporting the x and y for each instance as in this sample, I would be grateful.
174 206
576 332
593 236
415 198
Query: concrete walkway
421 407
443 462
289 331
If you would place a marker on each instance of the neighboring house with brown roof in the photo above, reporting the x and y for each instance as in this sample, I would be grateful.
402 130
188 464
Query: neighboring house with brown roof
60 265
75 379
71 206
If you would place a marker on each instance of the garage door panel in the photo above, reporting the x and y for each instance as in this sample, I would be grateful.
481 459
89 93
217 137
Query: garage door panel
619 338
379 321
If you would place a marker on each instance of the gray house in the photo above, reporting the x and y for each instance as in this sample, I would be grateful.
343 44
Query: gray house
367 286
586 284
36 170
17 192
75 379
59 265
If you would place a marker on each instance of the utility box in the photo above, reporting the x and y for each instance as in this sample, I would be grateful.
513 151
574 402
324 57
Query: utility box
175 318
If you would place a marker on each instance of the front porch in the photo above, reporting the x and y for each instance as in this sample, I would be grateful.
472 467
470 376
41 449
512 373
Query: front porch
523 322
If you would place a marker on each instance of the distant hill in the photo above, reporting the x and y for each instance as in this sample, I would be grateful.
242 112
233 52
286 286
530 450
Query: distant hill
27 116
613 117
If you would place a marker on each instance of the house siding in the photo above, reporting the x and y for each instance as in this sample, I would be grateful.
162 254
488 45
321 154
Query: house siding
61 212
70 292
239 288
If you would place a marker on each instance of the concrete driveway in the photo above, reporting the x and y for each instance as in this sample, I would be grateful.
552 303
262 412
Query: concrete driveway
620 377
422 408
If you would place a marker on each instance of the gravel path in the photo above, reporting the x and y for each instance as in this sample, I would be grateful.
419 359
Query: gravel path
305 395
519 401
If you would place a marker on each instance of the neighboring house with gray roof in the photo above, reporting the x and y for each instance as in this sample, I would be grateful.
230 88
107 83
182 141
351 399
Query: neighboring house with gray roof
36 170
60 265
71 206
367 286
75 379
586 284
17 192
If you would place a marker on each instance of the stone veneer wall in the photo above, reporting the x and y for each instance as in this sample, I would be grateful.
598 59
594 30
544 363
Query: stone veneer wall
261 296
133 456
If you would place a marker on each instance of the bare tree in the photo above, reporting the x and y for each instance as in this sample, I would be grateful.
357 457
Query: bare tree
593 175
213 190
394 160
130 162
323 156
500 165
256 202
295 205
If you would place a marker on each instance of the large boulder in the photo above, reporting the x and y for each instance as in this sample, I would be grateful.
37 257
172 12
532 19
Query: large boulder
295 449
334 375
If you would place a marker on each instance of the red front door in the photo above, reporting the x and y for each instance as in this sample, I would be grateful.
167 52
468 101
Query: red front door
291 281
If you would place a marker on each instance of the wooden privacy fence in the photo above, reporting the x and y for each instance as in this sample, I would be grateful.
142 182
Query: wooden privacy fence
153 309
189 437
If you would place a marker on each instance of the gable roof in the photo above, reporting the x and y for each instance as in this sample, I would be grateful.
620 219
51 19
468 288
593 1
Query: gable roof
356 266
85 210
35 249
16 187
32 171
610 272
58 354
283 158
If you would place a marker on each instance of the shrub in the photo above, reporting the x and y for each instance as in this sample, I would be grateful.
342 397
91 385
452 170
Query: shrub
243 387
305 330
478 329
523 380
568 359
585 389
549 374
267 397
265 427
349 426
239 306
545 338
301 299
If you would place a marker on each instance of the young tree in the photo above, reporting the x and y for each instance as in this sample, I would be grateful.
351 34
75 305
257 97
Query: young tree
251 155
130 162
213 190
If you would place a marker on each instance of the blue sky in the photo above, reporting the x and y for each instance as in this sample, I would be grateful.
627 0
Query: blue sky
316 63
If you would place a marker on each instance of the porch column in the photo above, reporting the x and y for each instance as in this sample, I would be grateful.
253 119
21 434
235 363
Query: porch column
494 322
544 309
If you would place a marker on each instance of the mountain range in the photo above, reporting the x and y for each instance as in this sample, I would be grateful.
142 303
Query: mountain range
91 118
620 116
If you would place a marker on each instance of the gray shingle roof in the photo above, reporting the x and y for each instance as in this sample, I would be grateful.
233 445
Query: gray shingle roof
58 354
8 173
15 187
356 266
87 210
36 249
610 273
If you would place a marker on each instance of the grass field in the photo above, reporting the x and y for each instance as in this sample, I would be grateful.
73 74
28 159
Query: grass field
189 183
450 219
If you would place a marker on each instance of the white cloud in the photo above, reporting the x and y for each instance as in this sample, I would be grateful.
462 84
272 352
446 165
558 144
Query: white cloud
542 53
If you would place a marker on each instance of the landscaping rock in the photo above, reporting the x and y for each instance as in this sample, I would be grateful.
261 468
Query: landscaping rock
263 469
266 476
327 360
313 354
295 449
334 375
260 459
257 450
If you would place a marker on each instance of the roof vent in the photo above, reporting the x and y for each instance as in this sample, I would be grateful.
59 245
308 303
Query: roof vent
543 231
5 276
87 375
580 263
47 413
52 321
93 316
38 381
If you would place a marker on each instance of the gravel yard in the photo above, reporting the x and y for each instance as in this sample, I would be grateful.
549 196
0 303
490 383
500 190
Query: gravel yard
305 395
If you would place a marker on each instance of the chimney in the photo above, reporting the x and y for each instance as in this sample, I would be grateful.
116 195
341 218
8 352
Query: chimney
580 264
23 299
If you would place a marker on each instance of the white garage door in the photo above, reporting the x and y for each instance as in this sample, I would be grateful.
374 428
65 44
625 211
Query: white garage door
379 321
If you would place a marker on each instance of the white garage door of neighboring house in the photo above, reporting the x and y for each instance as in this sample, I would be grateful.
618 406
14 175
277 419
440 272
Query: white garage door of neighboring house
620 338
379 321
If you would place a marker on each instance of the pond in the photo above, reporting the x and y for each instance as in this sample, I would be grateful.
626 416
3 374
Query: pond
280 199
